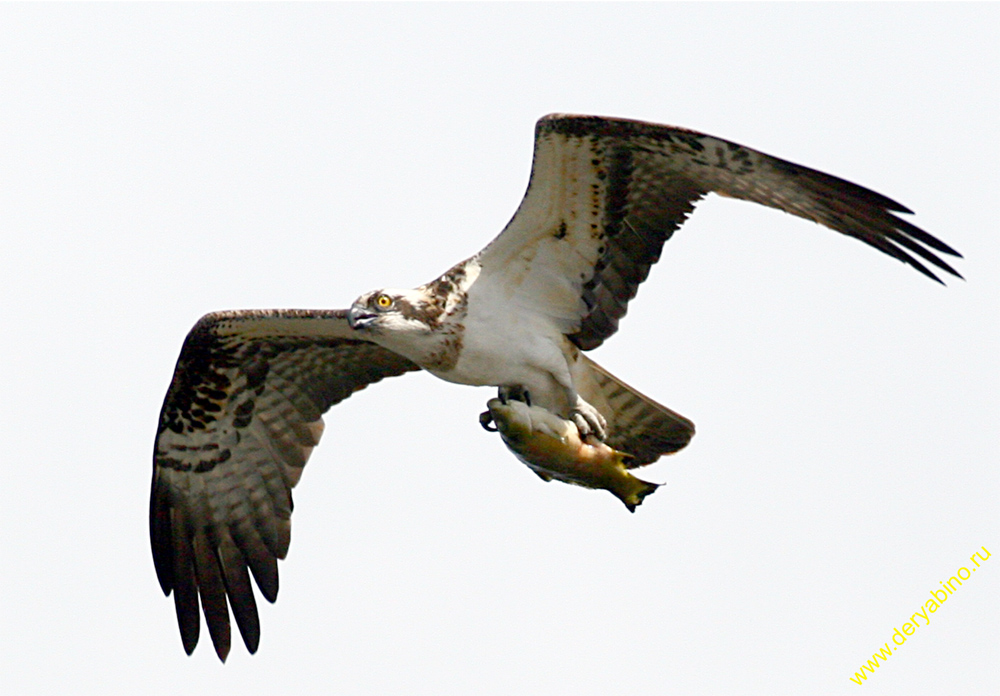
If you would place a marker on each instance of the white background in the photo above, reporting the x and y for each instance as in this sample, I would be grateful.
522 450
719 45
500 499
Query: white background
160 162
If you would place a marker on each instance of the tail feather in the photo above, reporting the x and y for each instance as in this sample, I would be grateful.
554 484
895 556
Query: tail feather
636 424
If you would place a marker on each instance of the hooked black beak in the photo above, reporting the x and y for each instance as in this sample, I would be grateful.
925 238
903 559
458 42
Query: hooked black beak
359 317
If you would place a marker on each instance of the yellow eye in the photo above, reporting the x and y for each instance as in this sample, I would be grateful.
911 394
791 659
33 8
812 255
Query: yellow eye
383 301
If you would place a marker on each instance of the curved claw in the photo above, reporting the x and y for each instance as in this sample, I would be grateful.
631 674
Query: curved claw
486 420
506 394
589 420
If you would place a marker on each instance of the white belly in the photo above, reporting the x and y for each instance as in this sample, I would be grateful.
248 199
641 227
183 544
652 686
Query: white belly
508 348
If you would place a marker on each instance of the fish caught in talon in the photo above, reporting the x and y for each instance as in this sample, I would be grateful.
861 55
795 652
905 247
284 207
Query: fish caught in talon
552 447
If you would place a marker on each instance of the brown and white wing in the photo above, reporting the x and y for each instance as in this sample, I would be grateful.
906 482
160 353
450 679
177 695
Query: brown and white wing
605 194
239 421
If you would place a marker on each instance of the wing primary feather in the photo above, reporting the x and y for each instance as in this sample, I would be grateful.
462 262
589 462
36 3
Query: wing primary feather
213 593
256 555
903 240
841 186
160 536
185 585
262 564
237 580
884 245
930 240
265 573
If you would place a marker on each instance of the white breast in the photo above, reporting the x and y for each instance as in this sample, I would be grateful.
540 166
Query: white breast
507 343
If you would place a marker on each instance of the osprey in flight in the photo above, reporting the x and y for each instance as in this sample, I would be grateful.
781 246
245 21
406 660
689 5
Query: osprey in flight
244 408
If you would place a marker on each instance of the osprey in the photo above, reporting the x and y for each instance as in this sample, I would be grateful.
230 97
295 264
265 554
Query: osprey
244 408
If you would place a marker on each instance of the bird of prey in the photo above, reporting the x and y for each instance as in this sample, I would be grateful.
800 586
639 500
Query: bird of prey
244 408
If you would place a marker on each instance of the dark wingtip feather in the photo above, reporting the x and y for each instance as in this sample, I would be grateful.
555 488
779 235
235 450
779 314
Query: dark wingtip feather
883 244
186 605
185 587
189 638
904 241
160 538
860 212
242 602
911 230
213 594
835 183
265 572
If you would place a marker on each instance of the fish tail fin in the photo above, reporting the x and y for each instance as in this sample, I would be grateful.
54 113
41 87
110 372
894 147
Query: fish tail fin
626 487
636 424
636 492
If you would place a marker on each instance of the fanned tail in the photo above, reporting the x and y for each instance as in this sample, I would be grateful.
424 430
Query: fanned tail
636 424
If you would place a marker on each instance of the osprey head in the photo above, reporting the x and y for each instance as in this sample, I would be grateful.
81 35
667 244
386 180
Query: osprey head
389 311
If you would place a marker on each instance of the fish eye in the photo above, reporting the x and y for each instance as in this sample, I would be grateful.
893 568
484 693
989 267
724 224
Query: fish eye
383 301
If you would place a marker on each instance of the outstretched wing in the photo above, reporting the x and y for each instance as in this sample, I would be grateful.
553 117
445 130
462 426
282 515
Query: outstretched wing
605 194
239 421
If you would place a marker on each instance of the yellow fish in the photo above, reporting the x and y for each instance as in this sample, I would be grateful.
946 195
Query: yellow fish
552 447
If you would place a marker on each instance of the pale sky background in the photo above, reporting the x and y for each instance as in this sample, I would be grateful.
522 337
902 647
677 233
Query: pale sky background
159 162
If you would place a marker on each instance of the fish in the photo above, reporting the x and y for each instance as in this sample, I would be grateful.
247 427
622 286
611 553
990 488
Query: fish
551 446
